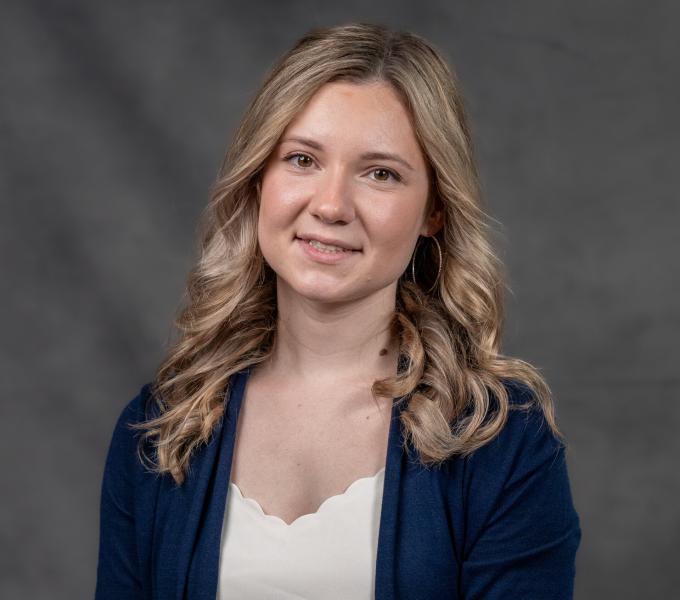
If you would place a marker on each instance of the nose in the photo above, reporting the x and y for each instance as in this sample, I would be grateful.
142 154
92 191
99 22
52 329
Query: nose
332 200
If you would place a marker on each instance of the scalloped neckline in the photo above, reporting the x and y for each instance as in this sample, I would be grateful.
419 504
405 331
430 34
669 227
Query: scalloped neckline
331 500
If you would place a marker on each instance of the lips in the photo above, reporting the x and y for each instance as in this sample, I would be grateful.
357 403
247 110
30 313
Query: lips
317 255
325 240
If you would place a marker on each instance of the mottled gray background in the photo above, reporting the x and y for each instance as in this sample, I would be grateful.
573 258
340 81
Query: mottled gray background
114 117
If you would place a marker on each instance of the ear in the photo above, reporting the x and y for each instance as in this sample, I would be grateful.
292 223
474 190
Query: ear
434 221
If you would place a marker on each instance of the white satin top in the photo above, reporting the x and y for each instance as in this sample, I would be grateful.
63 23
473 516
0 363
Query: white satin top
264 558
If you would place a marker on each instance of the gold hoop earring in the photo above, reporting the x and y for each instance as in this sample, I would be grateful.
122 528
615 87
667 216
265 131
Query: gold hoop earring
439 270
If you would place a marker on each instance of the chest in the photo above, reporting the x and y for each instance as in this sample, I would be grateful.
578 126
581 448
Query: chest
293 450
179 538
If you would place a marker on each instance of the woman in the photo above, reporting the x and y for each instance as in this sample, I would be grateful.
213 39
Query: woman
336 419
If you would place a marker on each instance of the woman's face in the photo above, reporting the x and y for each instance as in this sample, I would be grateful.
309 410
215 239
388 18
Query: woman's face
347 169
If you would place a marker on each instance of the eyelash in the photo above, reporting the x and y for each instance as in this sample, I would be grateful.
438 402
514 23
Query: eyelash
394 175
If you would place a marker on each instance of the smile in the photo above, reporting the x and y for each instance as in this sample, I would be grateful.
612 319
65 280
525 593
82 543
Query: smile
326 247
325 253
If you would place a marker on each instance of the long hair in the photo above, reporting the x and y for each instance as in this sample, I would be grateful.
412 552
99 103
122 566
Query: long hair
451 368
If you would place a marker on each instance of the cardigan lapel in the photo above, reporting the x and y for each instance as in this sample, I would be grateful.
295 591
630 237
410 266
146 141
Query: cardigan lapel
204 567
385 571
184 517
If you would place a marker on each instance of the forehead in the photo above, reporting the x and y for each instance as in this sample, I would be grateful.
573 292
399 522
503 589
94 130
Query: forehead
357 115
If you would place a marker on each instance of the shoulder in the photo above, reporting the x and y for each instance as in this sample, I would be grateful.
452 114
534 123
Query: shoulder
122 460
524 453
141 407
513 497
127 506
527 426
136 411
525 444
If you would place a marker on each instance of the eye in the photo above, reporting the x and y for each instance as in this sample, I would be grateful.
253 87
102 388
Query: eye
382 174
301 160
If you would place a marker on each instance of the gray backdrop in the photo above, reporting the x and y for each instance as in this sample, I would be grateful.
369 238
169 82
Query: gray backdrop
114 118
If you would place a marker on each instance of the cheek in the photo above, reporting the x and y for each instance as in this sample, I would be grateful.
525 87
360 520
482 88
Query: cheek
391 244
280 201
395 229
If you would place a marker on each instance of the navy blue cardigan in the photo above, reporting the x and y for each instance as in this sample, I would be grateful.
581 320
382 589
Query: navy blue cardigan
497 524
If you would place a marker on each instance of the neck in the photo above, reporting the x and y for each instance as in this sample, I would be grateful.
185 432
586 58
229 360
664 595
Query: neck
334 342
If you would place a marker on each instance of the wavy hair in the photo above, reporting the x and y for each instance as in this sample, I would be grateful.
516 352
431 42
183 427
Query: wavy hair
450 368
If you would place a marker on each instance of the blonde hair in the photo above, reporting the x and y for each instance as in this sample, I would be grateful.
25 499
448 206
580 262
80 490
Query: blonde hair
449 338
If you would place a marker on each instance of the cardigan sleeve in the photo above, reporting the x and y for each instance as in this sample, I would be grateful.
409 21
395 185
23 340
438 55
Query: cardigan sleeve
522 528
118 572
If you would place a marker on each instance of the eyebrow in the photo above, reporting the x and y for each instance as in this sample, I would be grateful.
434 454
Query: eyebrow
365 156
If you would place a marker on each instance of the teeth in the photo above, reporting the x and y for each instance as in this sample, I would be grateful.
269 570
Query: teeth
326 247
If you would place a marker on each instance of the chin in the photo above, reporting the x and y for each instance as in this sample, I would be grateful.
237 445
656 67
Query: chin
315 290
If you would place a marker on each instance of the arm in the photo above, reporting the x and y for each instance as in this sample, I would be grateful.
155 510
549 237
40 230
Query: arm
118 567
524 530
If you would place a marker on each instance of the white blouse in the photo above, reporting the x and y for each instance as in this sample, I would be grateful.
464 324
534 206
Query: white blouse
324 555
